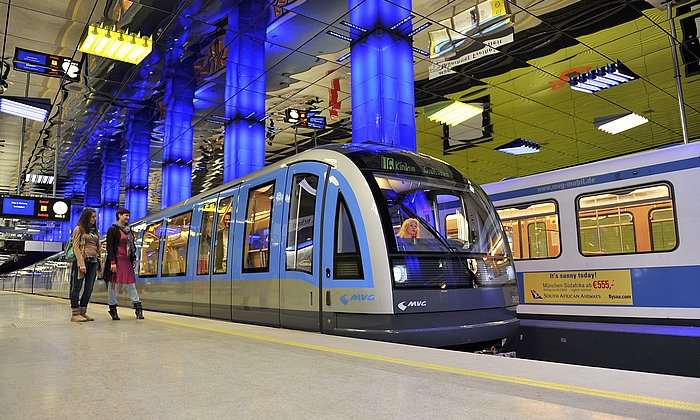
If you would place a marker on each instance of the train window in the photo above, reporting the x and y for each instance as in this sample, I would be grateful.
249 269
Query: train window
300 233
532 230
663 229
632 220
175 248
150 248
256 251
223 226
347 261
204 248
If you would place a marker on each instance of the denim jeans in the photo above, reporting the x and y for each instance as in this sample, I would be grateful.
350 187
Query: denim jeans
76 284
112 293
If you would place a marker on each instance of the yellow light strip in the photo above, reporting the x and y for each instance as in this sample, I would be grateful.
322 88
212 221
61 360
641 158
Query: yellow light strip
116 44
456 113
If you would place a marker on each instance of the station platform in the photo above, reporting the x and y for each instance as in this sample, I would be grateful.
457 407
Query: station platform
171 366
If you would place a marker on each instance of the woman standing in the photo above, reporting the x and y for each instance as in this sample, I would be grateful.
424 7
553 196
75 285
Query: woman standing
120 264
86 243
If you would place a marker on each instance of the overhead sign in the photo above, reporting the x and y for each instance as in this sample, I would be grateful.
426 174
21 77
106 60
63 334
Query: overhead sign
46 64
39 208
304 118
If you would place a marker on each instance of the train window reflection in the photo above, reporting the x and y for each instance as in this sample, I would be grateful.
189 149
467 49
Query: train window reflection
633 220
175 248
300 232
450 216
532 230
256 251
663 230
347 261
223 226
150 248
204 248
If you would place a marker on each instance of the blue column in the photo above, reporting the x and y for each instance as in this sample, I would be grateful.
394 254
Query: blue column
244 139
111 183
93 190
138 164
383 103
178 134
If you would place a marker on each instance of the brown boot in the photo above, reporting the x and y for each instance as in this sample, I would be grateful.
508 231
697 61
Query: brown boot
83 312
76 317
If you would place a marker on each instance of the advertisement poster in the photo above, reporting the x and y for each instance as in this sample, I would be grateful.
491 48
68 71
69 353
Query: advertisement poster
598 287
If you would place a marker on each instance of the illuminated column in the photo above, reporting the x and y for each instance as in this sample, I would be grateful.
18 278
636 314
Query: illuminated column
93 190
244 138
111 177
138 164
383 104
178 134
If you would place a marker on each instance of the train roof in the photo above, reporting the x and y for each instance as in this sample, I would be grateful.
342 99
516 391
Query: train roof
675 153
366 156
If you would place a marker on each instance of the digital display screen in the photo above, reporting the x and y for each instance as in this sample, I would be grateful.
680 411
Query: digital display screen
46 64
29 67
17 206
31 57
39 208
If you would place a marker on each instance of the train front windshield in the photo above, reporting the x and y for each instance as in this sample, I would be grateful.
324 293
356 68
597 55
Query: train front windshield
446 235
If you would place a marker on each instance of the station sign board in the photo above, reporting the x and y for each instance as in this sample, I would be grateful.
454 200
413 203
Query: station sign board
36 208
46 64
303 118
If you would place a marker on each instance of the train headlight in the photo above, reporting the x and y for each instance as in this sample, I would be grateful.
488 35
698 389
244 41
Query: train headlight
400 274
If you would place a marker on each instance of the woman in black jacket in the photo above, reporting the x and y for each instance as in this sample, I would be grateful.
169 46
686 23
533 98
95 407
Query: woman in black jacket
120 263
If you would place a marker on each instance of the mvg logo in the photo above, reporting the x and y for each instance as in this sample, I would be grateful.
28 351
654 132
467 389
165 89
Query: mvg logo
415 303
345 299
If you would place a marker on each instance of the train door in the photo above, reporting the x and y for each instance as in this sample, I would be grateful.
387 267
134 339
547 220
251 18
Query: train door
200 256
256 250
301 237
345 275
222 254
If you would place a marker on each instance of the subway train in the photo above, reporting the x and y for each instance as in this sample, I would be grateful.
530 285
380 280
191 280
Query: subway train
611 241
315 242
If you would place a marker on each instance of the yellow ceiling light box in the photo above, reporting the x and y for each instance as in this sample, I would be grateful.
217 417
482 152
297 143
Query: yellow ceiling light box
456 113
116 44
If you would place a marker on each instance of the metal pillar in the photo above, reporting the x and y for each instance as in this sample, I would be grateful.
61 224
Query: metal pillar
676 72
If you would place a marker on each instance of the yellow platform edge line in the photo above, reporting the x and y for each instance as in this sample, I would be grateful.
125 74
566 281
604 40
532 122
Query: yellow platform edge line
659 402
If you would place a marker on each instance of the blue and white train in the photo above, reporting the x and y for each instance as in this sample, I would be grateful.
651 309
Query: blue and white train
616 240
310 243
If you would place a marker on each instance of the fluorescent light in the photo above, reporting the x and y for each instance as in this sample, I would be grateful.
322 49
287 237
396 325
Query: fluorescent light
39 179
618 123
456 113
606 77
116 44
519 146
35 109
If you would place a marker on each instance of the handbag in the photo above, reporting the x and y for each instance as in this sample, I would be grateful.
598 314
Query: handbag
68 250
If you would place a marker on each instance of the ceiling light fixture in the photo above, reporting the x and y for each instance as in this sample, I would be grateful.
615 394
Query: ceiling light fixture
519 146
36 109
39 179
602 78
455 113
116 44
614 124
